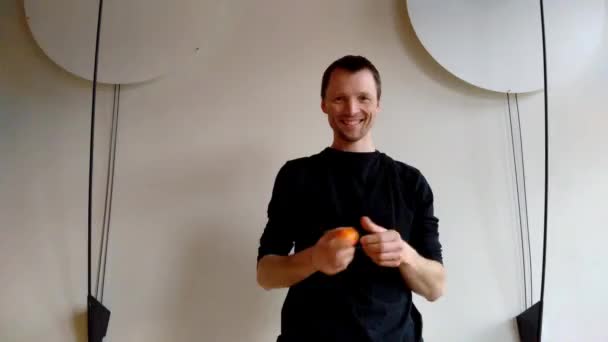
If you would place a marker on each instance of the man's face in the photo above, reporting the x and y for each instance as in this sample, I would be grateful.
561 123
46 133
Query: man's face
351 104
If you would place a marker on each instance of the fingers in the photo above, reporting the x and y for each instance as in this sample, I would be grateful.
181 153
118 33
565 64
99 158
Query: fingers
384 255
387 257
386 236
333 252
388 260
344 258
346 253
370 226
386 247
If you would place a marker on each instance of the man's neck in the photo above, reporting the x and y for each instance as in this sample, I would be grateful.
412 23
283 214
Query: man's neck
363 145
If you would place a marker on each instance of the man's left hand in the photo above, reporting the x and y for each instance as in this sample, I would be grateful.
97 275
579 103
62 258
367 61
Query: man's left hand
385 246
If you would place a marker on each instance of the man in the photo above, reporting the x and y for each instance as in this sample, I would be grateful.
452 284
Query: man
337 291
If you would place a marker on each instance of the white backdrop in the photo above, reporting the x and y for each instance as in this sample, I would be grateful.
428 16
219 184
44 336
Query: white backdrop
197 154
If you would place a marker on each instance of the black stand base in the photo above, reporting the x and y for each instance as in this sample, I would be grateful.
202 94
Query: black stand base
527 324
98 320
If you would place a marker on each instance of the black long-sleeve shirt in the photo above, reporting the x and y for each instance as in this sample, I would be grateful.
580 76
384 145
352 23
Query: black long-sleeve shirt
331 189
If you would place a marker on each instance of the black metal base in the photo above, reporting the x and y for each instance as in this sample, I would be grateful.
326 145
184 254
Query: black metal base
527 324
98 320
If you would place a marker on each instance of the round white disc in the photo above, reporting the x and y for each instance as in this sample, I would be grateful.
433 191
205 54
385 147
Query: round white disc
496 44
140 39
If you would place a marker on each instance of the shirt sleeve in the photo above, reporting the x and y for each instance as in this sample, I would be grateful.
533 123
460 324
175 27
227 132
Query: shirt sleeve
277 237
425 234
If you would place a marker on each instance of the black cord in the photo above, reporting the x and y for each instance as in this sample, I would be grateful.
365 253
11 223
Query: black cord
111 189
523 170
521 229
542 286
91 144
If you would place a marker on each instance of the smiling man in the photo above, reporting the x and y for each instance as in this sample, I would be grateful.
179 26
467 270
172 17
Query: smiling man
340 291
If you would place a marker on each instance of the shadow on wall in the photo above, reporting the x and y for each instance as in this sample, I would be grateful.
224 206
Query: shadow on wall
424 61
79 326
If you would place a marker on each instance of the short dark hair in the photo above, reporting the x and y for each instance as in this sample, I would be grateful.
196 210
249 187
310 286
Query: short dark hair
353 64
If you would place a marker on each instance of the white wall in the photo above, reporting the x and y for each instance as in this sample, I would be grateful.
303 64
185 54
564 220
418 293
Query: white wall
576 298
197 154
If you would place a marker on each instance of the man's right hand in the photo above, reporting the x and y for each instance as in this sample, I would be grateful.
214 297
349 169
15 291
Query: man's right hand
332 254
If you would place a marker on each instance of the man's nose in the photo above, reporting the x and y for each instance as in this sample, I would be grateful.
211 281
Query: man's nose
352 106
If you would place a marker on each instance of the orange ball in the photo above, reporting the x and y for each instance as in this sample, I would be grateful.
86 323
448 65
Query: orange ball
348 234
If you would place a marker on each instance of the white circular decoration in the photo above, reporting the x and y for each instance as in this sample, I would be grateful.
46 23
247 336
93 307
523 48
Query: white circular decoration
496 44
140 39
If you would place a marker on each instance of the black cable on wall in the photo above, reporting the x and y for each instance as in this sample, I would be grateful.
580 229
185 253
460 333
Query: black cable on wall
92 143
546 206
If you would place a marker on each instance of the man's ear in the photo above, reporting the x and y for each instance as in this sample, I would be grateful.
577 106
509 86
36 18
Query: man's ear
323 106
